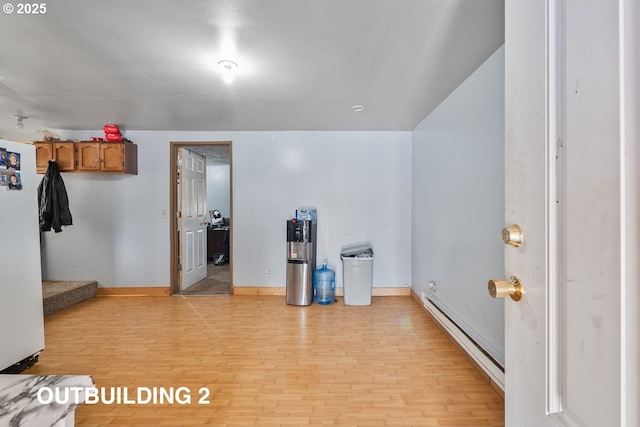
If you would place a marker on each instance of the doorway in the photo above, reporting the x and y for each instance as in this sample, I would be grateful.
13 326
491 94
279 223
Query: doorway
218 155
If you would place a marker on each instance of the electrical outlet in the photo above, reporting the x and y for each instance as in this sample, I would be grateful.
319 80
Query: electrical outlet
432 285
270 273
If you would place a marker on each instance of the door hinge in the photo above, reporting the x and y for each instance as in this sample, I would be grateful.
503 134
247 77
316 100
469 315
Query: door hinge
179 214
179 267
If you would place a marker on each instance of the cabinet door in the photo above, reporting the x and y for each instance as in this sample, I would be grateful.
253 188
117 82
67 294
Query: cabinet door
88 156
112 156
64 155
44 153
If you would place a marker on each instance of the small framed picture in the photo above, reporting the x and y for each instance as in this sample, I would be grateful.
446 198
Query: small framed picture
14 182
13 161
3 158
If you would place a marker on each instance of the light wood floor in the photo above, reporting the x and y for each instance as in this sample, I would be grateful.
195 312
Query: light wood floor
269 364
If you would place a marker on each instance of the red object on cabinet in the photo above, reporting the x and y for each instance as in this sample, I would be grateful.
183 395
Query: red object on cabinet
113 137
111 129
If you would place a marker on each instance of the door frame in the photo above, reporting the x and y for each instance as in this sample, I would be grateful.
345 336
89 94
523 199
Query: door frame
174 275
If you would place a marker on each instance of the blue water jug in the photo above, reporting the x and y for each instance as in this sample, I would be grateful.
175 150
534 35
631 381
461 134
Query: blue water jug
324 285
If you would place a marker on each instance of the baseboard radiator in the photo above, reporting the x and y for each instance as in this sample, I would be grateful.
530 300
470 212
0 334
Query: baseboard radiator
490 367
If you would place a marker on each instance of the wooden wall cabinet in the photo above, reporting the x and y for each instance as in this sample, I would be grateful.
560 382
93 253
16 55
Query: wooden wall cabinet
62 152
111 157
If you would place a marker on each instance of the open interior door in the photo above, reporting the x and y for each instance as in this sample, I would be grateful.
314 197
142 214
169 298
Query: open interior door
571 340
192 222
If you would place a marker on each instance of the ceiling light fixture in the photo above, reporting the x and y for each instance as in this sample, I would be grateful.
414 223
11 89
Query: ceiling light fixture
228 68
357 108
20 118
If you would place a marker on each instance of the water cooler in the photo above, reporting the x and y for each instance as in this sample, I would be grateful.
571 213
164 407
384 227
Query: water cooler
301 260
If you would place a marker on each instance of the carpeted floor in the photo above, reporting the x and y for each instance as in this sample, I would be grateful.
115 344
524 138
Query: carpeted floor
218 282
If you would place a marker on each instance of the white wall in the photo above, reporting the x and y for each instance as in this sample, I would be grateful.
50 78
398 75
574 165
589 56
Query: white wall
118 236
458 203
359 181
218 188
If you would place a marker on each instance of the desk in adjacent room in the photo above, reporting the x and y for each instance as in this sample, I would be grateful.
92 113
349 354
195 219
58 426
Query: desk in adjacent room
215 241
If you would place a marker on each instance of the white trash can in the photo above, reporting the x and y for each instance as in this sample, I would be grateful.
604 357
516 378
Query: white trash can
357 273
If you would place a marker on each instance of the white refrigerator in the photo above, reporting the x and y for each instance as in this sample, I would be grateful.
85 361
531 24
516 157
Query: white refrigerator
21 316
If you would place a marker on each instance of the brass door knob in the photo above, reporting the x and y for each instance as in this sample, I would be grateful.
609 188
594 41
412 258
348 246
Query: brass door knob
512 235
502 289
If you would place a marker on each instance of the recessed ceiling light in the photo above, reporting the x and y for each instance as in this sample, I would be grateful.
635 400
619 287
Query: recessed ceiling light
228 68
357 108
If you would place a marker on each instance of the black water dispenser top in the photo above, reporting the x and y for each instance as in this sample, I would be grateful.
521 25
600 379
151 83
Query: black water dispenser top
299 231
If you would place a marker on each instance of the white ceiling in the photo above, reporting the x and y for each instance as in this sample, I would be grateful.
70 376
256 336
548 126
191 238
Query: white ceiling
302 64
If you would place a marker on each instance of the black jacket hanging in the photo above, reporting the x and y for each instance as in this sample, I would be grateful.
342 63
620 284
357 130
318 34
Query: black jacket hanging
53 201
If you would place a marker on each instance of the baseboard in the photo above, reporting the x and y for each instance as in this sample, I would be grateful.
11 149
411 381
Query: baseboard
129 292
238 290
489 371
261 290
387 292
257 290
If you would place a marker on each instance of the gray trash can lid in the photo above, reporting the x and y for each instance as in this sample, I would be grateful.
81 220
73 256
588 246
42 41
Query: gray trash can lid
357 250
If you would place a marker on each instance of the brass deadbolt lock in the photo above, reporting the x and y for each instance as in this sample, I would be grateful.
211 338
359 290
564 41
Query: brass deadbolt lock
512 235
502 289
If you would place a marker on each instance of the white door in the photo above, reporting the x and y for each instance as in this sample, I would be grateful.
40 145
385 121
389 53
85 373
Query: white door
571 183
192 222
